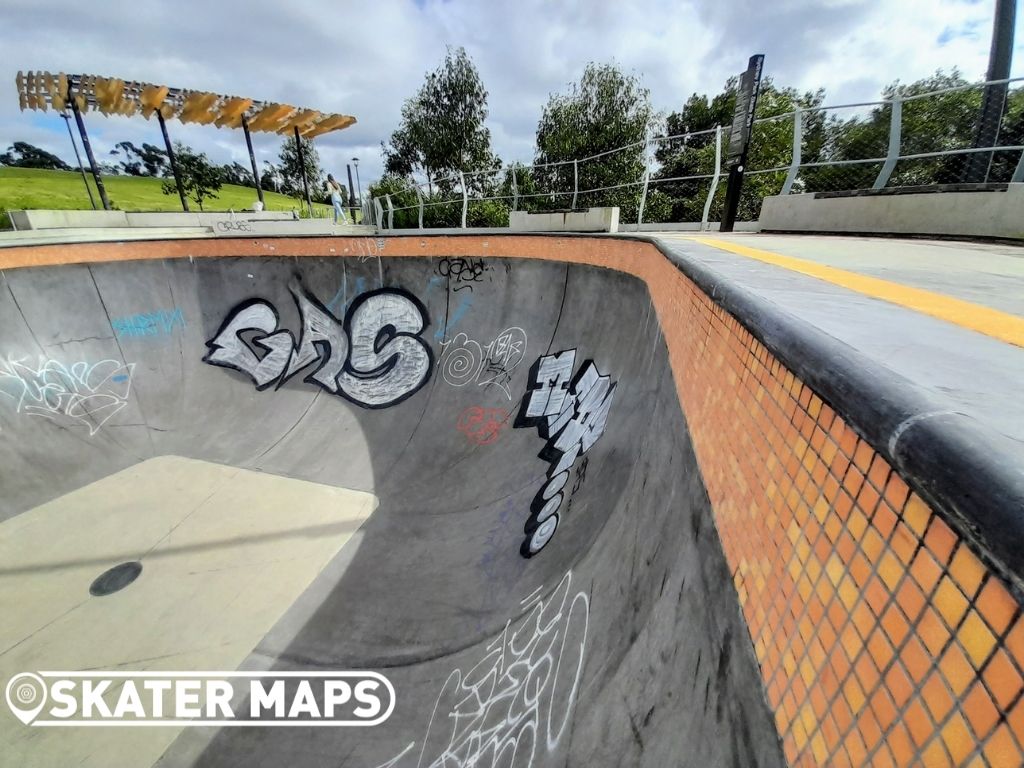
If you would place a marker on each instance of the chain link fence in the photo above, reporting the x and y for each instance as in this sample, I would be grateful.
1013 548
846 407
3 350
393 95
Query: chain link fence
912 138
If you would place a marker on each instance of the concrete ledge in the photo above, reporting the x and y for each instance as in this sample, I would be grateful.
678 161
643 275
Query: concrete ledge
995 213
48 219
98 235
202 219
587 220
242 228
67 219
688 226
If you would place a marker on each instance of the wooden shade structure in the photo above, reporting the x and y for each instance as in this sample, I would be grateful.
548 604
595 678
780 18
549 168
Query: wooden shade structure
113 96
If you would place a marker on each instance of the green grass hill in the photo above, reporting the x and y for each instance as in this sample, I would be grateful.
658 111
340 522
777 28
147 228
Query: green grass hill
27 188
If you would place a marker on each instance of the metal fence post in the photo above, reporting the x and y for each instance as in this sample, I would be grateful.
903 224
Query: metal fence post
893 154
575 182
643 199
1018 174
465 198
391 212
380 213
704 226
798 138
419 199
515 190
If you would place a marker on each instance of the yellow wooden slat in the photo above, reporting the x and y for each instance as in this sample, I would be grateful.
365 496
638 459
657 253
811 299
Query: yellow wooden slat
114 96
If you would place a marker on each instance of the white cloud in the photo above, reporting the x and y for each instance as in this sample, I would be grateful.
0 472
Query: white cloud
366 58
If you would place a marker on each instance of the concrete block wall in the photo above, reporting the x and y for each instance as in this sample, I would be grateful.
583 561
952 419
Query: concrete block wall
964 214
588 220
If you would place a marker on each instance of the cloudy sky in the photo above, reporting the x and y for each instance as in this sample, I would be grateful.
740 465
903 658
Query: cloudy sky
365 58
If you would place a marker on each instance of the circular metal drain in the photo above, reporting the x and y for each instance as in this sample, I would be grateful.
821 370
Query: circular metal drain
115 579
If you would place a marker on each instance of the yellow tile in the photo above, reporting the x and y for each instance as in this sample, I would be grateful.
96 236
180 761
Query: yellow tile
976 639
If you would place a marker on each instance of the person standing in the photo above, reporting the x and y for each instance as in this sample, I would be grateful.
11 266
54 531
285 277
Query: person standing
337 193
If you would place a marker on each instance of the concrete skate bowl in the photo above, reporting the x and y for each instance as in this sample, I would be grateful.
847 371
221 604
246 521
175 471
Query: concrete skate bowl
580 501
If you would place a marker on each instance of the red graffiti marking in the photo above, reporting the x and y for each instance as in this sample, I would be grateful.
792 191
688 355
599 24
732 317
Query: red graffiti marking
482 425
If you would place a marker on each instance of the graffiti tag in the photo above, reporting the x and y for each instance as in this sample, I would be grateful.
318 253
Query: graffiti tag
513 706
159 323
481 426
464 359
375 359
79 393
570 414
463 272
234 226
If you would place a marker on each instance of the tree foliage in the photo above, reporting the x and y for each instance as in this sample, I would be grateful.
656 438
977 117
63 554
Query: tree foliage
21 154
771 146
236 173
442 130
290 168
934 123
147 160
200 179
606 110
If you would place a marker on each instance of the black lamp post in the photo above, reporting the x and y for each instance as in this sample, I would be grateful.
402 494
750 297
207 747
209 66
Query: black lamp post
359 184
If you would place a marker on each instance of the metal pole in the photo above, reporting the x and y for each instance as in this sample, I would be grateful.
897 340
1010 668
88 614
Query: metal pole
78 157
173 161
380 213
893 153
704 226
798 138
252 158
575 182
643 199
88 153
465 198
351 193
515 190
987 130
419 199
1018 174
302 167
358 182
391 212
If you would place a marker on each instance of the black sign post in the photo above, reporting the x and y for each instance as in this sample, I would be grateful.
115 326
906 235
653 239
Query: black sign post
739 137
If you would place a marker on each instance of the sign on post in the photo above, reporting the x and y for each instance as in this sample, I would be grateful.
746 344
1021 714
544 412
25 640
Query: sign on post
739 136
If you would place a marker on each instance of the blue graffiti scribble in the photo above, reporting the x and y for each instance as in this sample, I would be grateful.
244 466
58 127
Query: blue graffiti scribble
458 314
159 323
337 297
342 295
435 281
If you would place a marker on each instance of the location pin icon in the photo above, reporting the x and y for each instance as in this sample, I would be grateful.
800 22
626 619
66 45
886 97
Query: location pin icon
26 695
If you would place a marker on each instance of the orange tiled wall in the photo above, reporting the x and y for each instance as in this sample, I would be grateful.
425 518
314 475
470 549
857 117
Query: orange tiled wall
882 638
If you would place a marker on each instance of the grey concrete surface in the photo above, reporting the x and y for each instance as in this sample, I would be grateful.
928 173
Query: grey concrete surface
642 658
989 274
974 374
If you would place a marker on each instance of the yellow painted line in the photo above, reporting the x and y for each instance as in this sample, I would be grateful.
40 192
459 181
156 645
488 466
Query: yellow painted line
991 322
